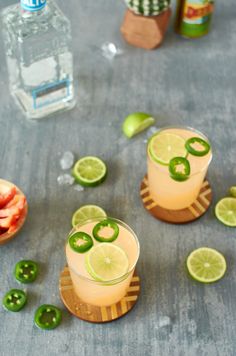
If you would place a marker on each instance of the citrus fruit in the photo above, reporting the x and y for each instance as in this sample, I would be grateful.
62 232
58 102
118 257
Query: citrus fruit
233 191
165 146
87 212
206 265
106 262
89 171
225 211
136 122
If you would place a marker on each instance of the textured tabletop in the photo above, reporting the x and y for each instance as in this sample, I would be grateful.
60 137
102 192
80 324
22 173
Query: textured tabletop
182 83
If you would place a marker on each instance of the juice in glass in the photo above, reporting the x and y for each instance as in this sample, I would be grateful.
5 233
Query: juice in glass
166 191
88 287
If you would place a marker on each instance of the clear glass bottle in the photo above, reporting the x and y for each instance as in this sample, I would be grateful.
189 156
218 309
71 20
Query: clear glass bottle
37 39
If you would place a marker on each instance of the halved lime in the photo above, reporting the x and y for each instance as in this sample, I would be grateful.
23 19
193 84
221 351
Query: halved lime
136 122
225 211
206 265
106 262
165 146
233 191
89 171
87 212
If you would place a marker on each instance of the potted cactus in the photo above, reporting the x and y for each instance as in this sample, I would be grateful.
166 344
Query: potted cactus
146 22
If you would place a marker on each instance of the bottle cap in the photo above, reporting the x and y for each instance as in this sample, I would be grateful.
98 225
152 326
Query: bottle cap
33 5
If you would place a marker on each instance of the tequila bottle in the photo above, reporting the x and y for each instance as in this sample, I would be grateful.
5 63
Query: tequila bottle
37 39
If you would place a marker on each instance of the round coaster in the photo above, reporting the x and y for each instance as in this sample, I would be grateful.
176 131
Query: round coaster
193 212
93 313
7 236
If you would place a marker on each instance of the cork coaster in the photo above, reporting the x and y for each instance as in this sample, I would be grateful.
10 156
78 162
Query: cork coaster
93 313
195 211
4 238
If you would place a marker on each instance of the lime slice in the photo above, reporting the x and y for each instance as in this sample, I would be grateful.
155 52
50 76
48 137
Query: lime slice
233 191
89 171
106 262
87 212
206 265
165 146
136 122
225 211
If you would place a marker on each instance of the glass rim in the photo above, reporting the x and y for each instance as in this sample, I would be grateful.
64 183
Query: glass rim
185 128
131 268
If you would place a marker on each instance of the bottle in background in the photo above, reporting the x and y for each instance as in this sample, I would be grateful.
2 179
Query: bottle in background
193 17
38 46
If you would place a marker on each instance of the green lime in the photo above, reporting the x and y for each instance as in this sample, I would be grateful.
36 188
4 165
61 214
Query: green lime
87 212
206 265
89 171
136 122
106 262
225 211
233 191
165 146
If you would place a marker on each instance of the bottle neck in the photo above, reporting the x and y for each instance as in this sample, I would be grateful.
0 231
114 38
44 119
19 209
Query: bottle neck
33 8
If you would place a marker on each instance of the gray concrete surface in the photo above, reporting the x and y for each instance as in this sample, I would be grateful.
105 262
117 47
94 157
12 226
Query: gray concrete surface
184 82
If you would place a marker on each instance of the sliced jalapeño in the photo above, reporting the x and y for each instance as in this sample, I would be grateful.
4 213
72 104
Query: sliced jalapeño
14 300
97 233
26 271
179 175
80 242
205 146
47 317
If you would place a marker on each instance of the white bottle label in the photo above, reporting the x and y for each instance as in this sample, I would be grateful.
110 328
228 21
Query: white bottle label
33 5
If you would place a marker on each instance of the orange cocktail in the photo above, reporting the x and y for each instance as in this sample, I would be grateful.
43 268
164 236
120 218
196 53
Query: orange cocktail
102 274
175 184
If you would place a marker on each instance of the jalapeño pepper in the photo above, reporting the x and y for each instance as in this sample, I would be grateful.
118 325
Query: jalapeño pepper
14 300
106 223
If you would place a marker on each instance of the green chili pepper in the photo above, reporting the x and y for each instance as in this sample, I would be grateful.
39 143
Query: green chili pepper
14 300
26 271
205 145
47 317
86 240
106 223
179 176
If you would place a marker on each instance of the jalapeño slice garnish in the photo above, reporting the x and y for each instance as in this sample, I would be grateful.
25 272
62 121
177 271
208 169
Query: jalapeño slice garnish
182 175
14 300
80 242
26 271
106 223
47 317
193 151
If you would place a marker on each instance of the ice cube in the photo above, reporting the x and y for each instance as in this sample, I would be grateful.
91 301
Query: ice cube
109 50
78 188
65 179
163 321
67 160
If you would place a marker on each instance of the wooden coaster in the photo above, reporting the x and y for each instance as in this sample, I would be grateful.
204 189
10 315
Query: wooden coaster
93 313
195 211
4 238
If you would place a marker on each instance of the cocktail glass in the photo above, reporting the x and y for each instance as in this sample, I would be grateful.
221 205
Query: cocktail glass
167 192
95 292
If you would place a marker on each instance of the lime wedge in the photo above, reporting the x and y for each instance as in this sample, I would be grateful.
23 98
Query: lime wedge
136 122
87 212
206 265
233 191
89 171
225 211
165 146
106 262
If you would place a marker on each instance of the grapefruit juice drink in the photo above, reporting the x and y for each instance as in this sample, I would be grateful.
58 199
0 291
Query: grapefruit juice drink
101 272
177 163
